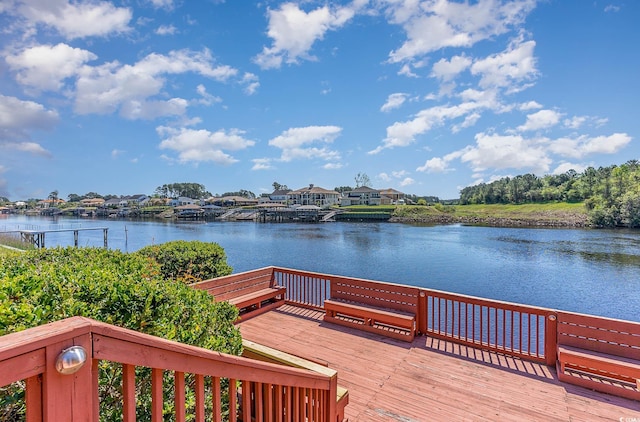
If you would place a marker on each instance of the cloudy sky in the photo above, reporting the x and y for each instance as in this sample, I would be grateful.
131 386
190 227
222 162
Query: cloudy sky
424 96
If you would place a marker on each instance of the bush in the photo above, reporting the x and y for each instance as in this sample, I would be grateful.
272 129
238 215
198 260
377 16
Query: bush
189 262
126 290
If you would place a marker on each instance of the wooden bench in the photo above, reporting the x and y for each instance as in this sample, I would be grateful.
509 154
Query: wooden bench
599 353
264 353
382 308
253 292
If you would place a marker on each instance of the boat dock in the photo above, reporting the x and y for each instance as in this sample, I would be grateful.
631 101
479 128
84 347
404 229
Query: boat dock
37 237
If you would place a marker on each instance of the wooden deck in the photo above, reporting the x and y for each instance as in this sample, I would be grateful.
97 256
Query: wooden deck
430 379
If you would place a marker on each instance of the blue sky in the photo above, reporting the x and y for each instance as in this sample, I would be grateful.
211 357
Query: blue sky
427 97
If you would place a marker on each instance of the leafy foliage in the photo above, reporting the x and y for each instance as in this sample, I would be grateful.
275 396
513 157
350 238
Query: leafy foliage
189 262
189 190
611 194
126 290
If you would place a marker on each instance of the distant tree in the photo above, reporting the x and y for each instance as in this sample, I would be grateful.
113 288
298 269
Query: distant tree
92 195
362 180
343 189
53 196
278 186
422 202
72 197
190 190
243 193
4 200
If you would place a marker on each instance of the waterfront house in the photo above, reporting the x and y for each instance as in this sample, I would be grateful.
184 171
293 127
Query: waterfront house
181 201
314 195
138 200
93 202
391 197
233 201
363 195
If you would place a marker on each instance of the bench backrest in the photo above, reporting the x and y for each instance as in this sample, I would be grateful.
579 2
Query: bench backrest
232 286
383 295
599 334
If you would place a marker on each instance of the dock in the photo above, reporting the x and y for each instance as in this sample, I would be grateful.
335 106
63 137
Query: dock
37 237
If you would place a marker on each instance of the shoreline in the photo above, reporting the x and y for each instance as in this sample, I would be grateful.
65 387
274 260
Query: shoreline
578 223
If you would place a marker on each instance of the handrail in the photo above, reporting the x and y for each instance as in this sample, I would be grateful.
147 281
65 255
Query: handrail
256 390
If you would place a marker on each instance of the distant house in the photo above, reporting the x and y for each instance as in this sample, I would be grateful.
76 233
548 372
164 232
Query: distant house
137 200
181 201
114 203
391 196
363 195
280 196
233 201
4 210
314 195
49 203
93 202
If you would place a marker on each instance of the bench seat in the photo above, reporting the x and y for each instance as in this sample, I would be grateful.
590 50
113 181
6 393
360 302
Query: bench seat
390 322
252 292
599 353
601 370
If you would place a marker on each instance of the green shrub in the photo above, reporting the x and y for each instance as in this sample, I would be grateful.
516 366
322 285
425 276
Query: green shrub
127 290
189 262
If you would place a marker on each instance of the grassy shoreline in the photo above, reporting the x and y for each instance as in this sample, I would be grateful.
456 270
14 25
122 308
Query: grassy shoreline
525 215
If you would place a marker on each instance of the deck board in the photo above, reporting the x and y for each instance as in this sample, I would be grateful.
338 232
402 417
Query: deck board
430 379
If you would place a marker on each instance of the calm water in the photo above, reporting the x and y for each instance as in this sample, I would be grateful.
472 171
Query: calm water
589 271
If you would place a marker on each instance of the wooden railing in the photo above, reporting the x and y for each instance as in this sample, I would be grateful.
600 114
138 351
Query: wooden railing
254 391
522 331
304 288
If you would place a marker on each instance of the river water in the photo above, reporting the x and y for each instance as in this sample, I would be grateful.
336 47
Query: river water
588 271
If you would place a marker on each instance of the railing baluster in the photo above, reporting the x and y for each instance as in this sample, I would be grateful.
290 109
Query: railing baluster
199 385
179 396
128 393
216 399
248 390
233 402
157 402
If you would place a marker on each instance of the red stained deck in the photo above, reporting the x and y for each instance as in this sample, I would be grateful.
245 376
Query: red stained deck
430 379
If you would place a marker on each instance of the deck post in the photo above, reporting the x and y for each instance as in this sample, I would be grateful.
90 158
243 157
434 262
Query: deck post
68 397
75 238
104 232
421 318
550 339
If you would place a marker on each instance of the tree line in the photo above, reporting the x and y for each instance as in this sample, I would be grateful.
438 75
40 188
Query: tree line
611 194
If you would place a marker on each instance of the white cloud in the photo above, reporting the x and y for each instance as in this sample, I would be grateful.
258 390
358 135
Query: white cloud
511 69
531 105
434 25
447 70
294 32
202 145
17 119
116 153
207 99
566 166
76 19
166 30
585 145
575 122
542 119
250 80
295 143
384 177
163 4
469 121
435 165
332 166
262 164
45 67
110 87
394 101
407 182
494 151
611 8
402 134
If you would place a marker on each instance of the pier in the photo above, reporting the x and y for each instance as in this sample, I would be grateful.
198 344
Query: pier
37 237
